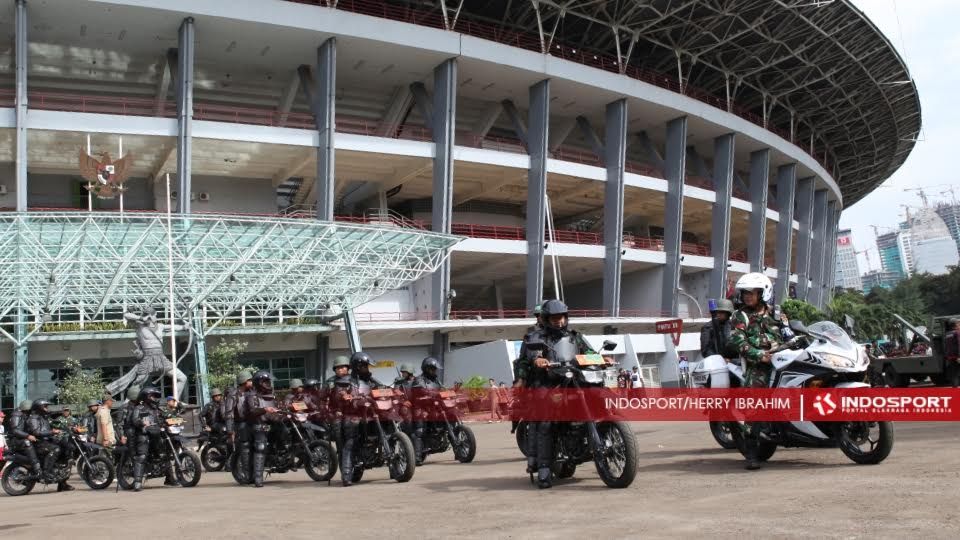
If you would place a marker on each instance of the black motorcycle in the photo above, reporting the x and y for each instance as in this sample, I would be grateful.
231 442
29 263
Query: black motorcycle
444 427
165 451
612 446
296 443
96 471
380 443
214 450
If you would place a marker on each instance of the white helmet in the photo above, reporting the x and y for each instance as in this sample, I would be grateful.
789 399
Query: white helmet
756 280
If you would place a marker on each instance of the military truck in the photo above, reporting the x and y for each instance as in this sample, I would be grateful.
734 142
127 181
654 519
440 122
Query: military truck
899 370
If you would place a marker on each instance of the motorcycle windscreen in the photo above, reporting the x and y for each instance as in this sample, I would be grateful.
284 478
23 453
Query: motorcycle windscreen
565 350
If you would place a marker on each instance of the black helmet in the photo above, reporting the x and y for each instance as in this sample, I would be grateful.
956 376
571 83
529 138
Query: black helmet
360 358
429 367
40 406
552 308
262 380
310 384
149 393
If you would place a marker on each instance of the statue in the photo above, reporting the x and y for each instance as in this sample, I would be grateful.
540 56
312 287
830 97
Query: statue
152 364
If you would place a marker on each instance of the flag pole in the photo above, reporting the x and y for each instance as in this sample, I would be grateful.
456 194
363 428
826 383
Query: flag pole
173 337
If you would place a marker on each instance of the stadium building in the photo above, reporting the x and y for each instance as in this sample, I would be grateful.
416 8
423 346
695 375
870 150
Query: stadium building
440 166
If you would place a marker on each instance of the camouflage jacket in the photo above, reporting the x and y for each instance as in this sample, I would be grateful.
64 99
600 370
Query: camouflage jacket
753 334
63 423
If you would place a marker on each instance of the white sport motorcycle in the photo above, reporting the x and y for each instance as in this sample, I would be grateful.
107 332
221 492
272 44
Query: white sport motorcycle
829 359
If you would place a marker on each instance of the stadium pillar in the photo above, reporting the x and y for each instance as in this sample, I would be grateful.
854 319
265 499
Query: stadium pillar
723 147
819 248
805 187
321 93
443 130
615 156
674 171
200 353
830 263
538 135
184 114
759 188
20 44
20 357
786 191
441 344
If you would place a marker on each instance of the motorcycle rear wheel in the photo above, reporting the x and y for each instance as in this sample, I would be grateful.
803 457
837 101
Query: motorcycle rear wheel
322 465
125 474
403 460
188 474
853 435
617 465
465 446
213 457
99 474
721 434
240 476
15 482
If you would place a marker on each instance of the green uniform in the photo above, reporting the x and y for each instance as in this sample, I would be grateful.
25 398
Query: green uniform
63 423
752 335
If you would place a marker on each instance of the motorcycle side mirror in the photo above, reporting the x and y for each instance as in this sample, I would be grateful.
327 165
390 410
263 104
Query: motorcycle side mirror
609 345
798 326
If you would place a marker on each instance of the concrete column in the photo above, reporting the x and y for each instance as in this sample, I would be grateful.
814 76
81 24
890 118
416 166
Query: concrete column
443 130
674 171
322 353
830 262
185 114
819 250
615 155
786 193
759 187
441 344
20 359
805 188
538 135
20 44
323 101
353 333
723 147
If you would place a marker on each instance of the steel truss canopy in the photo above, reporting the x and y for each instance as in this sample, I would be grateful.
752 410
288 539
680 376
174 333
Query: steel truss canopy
816 69
93 266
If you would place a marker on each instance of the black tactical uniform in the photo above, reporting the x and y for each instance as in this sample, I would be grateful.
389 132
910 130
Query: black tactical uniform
425 386
262 414
17 432
146 418
359 382
48 443
212 415
404 383
236 420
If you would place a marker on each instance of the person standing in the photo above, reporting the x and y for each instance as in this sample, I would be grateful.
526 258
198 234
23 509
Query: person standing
951 352
494 403
636 379
106 435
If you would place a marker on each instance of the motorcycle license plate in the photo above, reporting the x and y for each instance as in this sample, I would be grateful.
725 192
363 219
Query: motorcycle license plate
299 406
700 378
384 405
174 421
449 403
593 376
382 393
589 360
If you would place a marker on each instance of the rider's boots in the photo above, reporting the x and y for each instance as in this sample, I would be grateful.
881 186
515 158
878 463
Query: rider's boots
544 478
64 486
259 460
753 446
37 470
137 476
171 479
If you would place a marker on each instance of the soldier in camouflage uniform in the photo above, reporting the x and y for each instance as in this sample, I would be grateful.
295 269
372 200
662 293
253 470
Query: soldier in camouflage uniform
755 332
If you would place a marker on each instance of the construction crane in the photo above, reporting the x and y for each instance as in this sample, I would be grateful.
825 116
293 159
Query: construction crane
923 196
866 254
952 192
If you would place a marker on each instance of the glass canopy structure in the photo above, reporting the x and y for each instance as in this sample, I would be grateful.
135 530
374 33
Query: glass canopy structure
76 268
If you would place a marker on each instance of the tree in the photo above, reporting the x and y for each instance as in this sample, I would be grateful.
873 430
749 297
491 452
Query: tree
802 311
223 363
80 385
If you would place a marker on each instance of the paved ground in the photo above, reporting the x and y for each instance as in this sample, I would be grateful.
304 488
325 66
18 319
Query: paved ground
686 487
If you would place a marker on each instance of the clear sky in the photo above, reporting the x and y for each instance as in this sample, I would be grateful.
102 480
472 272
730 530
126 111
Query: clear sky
926 34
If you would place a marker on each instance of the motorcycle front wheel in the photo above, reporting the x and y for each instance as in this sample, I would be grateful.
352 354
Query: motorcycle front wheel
125 474
322 464
99 474
241 475
465 444
617 458
188 474
402 460
213 457
721 434
866 443
16 480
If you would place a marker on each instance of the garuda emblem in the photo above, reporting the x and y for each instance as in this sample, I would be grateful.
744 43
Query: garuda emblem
105 177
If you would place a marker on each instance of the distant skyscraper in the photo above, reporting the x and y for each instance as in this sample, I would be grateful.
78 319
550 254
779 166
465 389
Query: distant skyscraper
847 270
889 250
880 278
905 243
934 249
950 214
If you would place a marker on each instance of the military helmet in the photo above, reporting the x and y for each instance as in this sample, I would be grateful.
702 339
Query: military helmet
215 392
26 405
406 367
429 363
148 392
93 403
310 384
296 383
40 405
244 376
262 379
341 361
552 308
360 358
133 393
724 305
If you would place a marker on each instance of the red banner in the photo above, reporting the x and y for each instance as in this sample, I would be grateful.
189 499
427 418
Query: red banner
674 327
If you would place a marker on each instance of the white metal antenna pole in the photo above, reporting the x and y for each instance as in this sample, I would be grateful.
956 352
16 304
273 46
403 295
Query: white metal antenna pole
173 337
89 185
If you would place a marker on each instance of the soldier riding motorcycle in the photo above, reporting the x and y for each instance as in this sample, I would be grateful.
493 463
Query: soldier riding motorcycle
369 432
437 422
213 444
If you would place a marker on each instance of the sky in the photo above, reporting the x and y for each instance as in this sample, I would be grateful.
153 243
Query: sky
926 35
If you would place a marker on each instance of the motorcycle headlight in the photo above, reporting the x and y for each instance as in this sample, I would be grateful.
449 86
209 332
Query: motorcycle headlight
175 430
836 360
568 374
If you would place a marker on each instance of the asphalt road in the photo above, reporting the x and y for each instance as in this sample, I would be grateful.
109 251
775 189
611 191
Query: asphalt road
686 487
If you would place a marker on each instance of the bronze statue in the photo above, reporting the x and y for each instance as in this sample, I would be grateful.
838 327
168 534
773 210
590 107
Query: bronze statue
152 364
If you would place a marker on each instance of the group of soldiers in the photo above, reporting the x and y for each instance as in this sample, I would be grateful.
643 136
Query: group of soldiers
249 414
44 438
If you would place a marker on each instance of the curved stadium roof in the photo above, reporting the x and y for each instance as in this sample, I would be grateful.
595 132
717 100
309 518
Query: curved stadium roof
819 65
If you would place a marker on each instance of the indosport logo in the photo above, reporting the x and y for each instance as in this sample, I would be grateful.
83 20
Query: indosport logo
824 404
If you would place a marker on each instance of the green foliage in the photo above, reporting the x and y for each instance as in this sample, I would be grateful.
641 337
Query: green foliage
802 311
223 363
80 385
475 387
